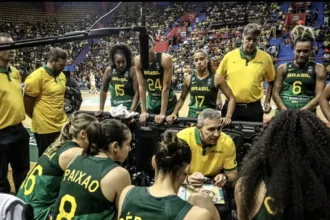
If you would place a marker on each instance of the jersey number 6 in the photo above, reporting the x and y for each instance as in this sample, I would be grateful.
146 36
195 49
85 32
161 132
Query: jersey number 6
31 179
296 89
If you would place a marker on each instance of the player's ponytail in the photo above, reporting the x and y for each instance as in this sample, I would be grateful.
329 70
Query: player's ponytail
72 129
100 135
94 133
173 154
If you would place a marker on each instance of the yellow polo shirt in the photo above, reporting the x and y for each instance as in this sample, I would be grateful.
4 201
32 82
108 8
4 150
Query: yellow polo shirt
246 77
48 111
209 160
12 110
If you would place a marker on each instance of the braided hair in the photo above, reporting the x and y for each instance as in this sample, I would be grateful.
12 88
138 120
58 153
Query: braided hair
302 33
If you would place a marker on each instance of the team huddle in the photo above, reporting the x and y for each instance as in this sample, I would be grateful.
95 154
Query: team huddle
79 175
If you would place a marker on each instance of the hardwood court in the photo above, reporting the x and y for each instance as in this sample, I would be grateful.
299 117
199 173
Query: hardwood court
91 103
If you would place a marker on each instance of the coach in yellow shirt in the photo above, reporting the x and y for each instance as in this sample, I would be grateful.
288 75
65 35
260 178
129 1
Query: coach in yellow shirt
246 68
212 150
44 99
14 139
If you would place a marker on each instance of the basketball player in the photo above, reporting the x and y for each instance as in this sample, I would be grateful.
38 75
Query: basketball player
160 201
286 173
299 84
324 102
205 88
161 98
92 81
93 182
120 79
40 189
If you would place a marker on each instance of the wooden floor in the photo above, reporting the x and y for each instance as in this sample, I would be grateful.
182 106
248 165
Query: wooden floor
90 103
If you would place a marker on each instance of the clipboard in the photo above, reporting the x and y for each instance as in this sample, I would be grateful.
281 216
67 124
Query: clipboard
214 192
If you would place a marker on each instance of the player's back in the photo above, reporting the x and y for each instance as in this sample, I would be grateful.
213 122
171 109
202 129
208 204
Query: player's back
80 195
140 204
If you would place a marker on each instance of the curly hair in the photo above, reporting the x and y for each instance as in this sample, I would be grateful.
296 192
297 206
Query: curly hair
124 50
292 157
302 33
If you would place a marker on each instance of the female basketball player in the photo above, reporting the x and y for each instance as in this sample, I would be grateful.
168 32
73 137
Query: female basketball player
286 174
121 80
160 201
299 84
40 188
324 102
92 183
205 89
157 80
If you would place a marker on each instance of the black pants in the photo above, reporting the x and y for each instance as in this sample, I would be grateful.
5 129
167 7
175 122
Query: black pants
14 149
251 112
44 140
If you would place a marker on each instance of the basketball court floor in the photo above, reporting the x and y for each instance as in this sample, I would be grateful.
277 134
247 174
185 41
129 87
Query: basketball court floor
91 103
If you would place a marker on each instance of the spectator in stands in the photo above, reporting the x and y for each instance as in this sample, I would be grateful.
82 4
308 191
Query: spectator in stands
286 173
299 84
212 151
171 164
161 98
14 139
44 99
248 90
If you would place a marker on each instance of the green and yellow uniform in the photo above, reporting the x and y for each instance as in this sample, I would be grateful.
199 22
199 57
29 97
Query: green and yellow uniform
121 88
80 196
298 86
42 185
141 205
48 112
209 160
11 97
245 77
154 82
203 94
266 210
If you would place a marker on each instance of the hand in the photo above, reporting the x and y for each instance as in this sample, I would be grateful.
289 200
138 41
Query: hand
196 179
267 107
143 118
225 121
171 118
220 180
98 113
159 118
219 106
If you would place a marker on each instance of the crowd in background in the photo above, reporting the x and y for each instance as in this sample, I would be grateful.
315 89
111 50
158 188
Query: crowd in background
218 34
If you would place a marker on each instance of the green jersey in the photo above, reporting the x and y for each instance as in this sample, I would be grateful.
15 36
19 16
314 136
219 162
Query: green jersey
139 204
298 86
203 94
267 211
154 83
80 196
121 88
42 185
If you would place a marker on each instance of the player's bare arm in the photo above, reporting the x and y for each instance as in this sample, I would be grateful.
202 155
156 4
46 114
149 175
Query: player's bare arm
324 102
179 104
278 87
142 90
104 89
135 88
319 87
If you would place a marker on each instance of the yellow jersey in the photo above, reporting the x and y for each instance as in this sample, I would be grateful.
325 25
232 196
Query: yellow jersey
48 111
209 160
12 110
245 77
